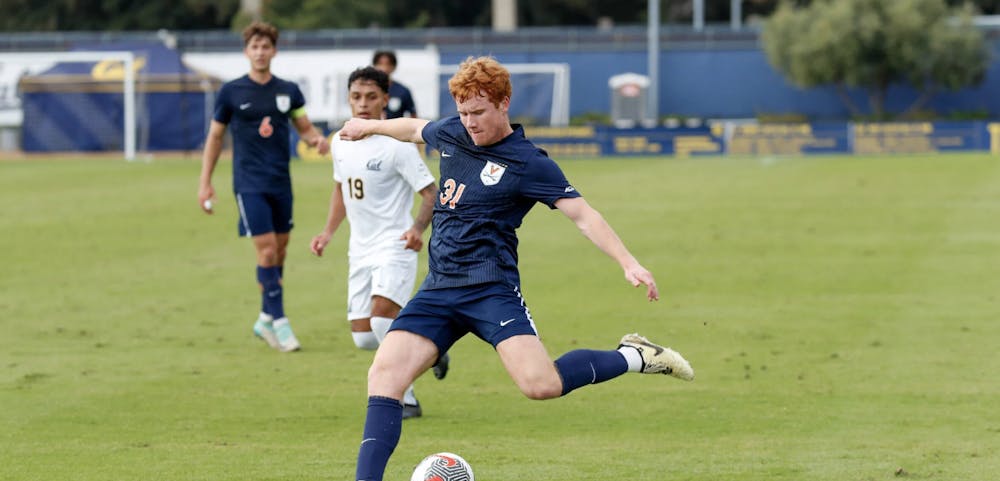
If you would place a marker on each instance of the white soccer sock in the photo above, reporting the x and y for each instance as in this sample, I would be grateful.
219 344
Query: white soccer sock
632 357
365 340
409 397
380 326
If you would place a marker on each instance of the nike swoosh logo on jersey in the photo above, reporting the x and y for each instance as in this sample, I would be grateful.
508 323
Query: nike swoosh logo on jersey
508 321
245 106
445 154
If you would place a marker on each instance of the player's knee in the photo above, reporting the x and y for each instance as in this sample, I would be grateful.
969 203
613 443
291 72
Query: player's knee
268 255
541 389
541 392
385 381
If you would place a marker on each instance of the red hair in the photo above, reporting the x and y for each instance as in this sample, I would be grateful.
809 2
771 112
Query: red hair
480 76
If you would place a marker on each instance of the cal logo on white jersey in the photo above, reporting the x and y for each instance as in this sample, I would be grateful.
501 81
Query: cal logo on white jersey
492 173
284 102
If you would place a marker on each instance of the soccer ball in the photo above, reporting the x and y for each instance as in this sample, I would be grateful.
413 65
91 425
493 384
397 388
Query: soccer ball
443 467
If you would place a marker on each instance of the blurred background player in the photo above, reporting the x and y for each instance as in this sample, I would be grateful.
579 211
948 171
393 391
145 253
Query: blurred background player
257 108
374 182
491 177
400 100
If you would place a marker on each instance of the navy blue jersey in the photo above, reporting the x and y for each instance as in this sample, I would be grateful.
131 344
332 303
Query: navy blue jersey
258 117
485 192
400 102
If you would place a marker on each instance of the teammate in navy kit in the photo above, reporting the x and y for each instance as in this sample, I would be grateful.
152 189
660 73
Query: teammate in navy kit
400 99
257 107
491 176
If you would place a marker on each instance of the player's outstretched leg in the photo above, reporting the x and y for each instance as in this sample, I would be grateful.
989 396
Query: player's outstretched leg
654 359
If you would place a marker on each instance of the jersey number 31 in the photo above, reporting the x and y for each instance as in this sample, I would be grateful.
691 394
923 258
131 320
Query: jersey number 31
450 194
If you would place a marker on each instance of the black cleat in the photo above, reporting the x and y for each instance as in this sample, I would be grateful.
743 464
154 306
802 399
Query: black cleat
441 368
412 411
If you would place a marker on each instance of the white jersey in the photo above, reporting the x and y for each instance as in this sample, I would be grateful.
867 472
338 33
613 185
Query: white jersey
378 177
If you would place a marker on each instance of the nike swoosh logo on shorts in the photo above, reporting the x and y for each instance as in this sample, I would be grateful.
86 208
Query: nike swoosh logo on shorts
508 321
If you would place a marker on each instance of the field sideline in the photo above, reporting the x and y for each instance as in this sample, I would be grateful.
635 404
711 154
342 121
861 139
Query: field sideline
841 314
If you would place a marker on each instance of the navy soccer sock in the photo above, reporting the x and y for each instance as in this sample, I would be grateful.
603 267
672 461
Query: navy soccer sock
585 366
271 294
383 424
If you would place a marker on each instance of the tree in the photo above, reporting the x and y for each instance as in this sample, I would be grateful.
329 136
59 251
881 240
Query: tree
322 14
873 44
114 15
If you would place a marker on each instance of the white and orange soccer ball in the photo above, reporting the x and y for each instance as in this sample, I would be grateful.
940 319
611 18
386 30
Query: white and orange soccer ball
443 467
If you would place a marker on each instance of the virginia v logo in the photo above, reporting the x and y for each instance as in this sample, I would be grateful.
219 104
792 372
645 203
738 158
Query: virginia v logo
375 164
491 174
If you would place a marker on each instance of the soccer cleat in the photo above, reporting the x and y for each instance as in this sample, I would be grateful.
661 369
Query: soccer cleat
286 338
412 411
441 368
264 330
659 359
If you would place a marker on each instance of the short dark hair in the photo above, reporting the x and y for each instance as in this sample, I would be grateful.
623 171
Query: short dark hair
371 74
262 29
389 54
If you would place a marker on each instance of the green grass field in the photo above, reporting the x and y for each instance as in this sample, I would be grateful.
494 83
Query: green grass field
841 314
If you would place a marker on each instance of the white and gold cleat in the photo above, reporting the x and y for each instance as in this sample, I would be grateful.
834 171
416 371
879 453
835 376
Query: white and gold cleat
657 359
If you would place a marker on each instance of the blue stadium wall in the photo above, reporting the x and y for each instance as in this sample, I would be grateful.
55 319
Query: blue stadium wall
735 83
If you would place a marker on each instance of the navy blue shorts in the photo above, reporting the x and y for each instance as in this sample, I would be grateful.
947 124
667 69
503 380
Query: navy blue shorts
262 213
493 312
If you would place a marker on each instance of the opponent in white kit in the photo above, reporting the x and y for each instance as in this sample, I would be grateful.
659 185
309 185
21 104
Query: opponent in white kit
374 184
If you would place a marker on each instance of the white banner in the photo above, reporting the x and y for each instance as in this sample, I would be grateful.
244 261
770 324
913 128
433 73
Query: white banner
12 67
322 76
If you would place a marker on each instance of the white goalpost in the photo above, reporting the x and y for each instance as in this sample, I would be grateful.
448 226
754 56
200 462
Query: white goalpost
559 112
14 65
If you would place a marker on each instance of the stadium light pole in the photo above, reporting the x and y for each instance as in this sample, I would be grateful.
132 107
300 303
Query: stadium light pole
653 61
504 15
698 16
736 14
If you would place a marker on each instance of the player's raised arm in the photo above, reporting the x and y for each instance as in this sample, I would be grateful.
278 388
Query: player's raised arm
404 129
592 224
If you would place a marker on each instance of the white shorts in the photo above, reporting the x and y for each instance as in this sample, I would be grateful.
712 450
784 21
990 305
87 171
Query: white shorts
391 277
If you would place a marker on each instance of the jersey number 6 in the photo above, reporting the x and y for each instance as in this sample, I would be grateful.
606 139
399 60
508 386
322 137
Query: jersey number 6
450 194
266 129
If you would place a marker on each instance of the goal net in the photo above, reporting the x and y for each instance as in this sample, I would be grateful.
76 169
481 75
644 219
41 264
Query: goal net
540 93
31 86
